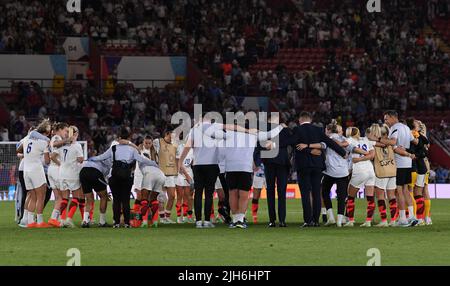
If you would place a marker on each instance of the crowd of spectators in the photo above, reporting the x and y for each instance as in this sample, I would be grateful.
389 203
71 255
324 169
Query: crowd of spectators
402 68
39 26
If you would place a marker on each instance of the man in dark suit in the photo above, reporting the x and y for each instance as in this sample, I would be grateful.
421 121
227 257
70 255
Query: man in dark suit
310 165
276 171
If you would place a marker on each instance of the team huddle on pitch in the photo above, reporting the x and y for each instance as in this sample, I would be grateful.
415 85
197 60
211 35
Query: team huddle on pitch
390 163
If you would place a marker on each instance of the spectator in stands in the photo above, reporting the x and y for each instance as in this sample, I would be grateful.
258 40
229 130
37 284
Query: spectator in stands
442 175
4 133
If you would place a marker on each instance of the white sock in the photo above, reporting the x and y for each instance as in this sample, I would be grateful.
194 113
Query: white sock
86 217
241 217
340 218
323 211
411 211
30 217
24 219
330 215
40 218
402 214
102 218
55 214
235 218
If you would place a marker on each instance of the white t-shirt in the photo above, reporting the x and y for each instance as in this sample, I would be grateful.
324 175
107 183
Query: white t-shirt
366 145
238 149
33 150
402 133
70 168
137 171
336 166
205 148
222 159
54 149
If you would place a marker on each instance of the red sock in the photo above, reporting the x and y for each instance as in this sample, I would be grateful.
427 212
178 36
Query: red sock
351 208
81 206
137 206
185 210
145 217
143 207
155 210
178 208
212 211
370 207
420 202
73 207
393 209
382 210
255 206
91 213
62 208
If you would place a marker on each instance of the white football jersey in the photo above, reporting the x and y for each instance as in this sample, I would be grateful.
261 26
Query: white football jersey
21 143
33 150
70 168
54 149
189 157
366 145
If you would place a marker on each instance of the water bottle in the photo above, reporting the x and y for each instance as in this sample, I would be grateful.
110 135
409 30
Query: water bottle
11 191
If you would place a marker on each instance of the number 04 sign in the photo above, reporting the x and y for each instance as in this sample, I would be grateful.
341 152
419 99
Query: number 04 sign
73 6
373 6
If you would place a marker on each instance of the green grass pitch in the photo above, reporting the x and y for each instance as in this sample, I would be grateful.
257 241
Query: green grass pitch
183 245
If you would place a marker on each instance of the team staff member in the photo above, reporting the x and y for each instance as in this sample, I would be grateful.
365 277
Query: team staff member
123 159
205 166
310 166
239 149
276 172
93 177
167 153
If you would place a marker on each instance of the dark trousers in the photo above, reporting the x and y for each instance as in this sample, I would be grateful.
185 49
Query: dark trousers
226 191
48 193
24 194
276 175
121 190
205 177
341 192
309 182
